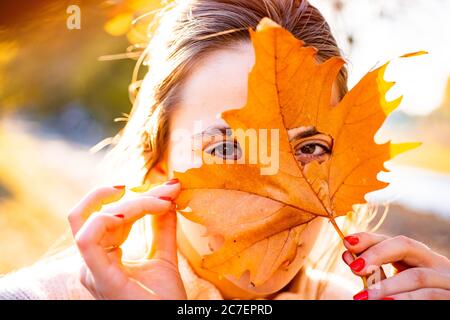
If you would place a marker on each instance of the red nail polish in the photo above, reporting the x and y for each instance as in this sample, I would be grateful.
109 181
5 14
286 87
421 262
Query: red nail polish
119 187
119 215
363 295
165 198
387 298
173 181
353 240
343 255
358 264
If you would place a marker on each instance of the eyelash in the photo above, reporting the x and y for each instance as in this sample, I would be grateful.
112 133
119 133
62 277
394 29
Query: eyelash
310 157
237 152
212 149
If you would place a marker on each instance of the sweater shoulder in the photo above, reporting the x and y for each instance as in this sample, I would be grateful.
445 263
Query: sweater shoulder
56 278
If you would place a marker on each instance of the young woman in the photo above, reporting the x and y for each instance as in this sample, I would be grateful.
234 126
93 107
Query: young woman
199 62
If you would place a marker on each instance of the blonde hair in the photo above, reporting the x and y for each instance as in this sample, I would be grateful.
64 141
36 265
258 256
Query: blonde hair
187 31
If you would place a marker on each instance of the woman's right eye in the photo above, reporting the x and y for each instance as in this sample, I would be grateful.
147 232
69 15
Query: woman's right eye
225 150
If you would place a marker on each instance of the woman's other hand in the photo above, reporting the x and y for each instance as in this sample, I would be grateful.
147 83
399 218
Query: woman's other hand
99 233
422 273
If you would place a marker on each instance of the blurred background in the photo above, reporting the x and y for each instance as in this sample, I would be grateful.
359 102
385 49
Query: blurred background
61 89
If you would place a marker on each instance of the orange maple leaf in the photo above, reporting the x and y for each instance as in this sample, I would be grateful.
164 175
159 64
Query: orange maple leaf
260 217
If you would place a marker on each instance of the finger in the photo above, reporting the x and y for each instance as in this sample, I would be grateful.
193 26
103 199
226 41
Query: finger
361 241
367 240
114 237
423 294
376 276
164 245
89 242
170 189
357 243
347 256
91 203
134 209
398 249
409 280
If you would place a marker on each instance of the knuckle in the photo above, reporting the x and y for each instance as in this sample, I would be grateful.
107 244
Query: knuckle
419 277
404 240
81 241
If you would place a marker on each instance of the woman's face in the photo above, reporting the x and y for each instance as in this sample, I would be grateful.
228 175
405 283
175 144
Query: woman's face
217 83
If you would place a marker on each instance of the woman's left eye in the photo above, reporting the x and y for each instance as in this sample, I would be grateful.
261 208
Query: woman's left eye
307 152
225 150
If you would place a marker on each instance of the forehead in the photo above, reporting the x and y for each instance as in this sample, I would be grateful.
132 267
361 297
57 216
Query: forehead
217 83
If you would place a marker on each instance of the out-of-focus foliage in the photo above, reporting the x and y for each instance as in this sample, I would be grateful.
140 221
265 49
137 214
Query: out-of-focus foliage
133 18
44 66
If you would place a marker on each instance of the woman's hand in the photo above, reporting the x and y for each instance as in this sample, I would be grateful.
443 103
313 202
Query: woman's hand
422 273
99 233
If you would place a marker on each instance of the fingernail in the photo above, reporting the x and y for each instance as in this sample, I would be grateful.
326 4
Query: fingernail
358 264
363 295
343 256
119 187
165 198
119 215
353 240
387 298
173 181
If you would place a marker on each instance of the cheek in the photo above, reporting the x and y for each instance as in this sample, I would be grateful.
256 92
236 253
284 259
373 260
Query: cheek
310 235
180 156
173 157
194 233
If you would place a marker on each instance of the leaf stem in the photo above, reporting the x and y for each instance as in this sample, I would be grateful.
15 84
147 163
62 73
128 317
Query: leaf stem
342 236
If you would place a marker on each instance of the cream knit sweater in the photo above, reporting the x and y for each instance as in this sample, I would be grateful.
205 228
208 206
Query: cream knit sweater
57 278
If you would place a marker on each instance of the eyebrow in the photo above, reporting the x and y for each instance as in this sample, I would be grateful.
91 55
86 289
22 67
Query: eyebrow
226 131
311 131
214 130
